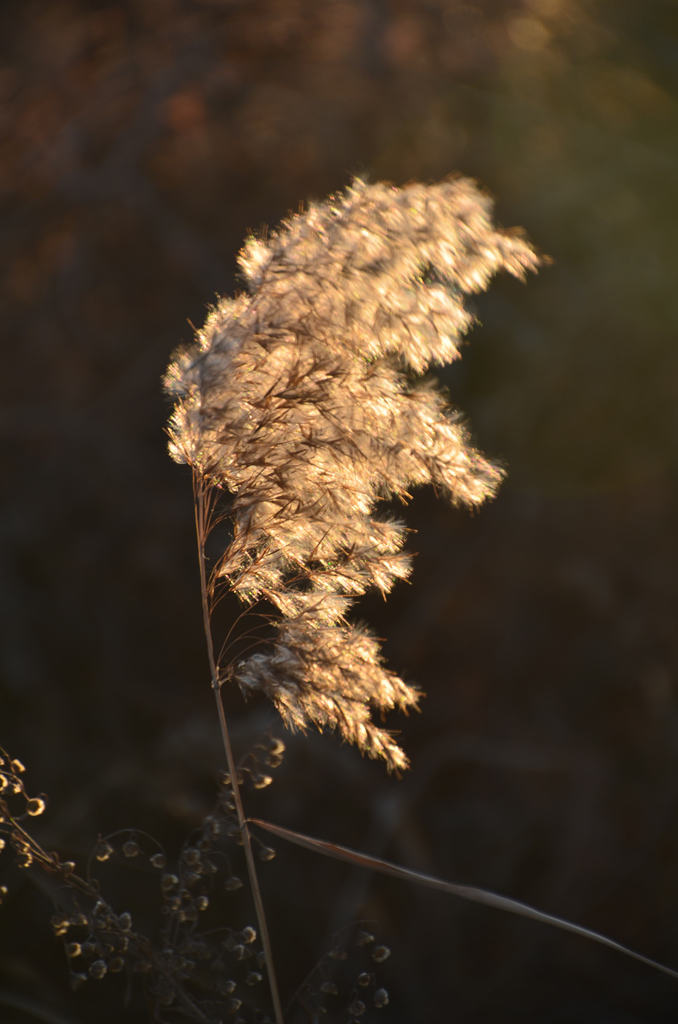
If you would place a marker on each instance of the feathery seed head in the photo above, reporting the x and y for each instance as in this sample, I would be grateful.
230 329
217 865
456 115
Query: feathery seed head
298 399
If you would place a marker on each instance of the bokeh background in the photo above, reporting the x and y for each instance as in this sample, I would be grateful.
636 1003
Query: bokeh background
140 142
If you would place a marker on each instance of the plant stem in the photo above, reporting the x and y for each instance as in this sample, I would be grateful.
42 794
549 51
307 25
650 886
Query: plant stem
199 495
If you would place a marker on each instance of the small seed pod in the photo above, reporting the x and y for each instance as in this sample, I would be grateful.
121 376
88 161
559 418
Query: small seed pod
261 781
364 978
248 934
158 860
226 987
381 953
60 924
329 988
233 883
73 949
35 806
266 853
103 850
189 913
381 998
130 848
357 1008
97 969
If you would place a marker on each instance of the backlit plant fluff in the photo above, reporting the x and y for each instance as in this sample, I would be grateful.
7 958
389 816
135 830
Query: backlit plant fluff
300 399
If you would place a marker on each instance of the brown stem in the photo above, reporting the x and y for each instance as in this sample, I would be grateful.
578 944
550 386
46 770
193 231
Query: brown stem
199 493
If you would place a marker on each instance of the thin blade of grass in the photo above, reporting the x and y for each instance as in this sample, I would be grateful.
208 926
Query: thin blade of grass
465 892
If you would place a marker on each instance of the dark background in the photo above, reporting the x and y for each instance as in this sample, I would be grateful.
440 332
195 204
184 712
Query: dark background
140 142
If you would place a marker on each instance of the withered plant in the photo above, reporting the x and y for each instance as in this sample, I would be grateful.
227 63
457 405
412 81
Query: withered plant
304 404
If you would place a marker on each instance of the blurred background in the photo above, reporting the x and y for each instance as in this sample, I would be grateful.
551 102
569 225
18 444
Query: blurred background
140 141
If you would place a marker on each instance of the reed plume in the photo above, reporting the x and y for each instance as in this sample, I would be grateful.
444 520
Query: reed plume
303 401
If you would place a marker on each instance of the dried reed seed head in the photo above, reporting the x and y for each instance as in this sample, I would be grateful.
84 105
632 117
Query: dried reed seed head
299 400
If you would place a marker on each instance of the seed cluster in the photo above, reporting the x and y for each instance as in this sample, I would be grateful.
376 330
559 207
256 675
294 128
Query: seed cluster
345 986
198 968
16 809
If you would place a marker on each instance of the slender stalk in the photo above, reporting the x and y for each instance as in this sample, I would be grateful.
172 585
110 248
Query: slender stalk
199 495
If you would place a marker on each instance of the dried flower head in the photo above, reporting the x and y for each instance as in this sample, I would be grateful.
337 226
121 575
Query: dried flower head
301 400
